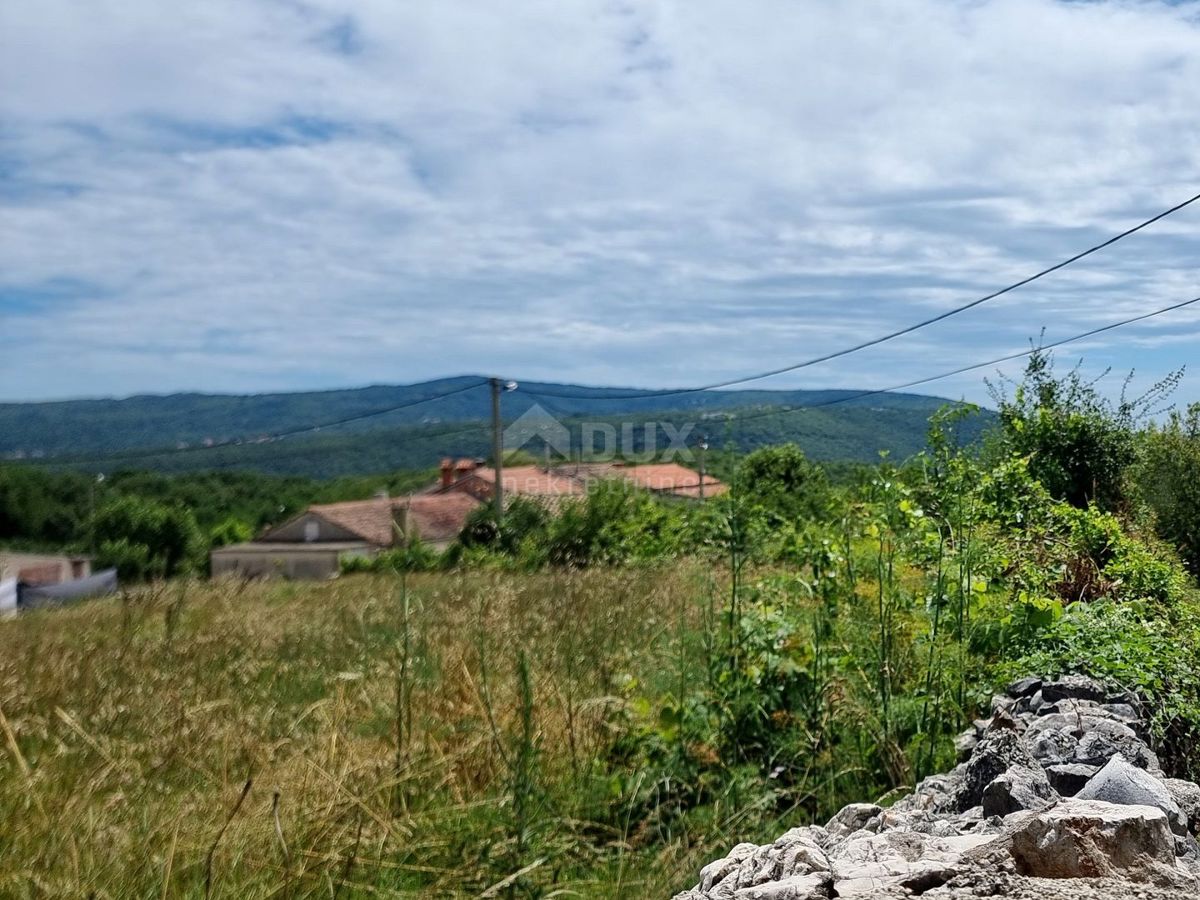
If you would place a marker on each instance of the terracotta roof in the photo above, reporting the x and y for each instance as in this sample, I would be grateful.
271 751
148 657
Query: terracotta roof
669 478
369 519
533 481
439 517
434 517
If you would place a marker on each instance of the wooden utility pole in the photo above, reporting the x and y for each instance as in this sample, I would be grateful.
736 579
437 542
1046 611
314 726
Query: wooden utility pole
497 449
499 386
703 447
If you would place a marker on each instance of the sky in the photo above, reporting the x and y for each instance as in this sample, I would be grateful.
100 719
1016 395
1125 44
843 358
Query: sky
242 196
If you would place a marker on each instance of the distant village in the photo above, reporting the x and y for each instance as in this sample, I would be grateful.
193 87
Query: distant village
315 543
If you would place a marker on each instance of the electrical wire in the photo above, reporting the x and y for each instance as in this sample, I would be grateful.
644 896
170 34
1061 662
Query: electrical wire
858 395
991 362
873 342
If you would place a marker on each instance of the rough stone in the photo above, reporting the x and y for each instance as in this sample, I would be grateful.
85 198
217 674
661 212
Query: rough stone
852 817
793 887
1096 748
1000 703
1069 778
878 861
965 744
996 754
1076 687
995 825
1016 789
1092 839
1051 747
1024 687
1119 782
715 871
1187 797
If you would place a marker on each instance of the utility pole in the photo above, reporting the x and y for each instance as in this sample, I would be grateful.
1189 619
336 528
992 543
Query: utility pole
703 447
98 480
498 386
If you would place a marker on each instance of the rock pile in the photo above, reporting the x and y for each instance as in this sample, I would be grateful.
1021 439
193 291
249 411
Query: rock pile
1058 794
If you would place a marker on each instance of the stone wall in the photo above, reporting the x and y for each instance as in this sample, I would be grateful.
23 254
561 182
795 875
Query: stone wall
1058 794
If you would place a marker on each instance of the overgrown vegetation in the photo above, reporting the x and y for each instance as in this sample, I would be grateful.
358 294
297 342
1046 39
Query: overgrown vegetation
43 509
590 700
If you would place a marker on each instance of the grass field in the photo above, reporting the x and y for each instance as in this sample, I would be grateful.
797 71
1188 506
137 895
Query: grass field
342 739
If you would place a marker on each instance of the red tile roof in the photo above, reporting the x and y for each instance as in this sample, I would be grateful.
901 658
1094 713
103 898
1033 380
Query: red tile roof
568 480
532 481
438 517
369 519
434 517
669 478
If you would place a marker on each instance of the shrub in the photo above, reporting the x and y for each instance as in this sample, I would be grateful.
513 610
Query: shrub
148 539
782 481
1079 444
1165 481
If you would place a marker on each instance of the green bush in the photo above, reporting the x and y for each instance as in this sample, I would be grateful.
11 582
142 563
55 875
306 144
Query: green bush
150 540
414 556
1166 481
1079 443
783 482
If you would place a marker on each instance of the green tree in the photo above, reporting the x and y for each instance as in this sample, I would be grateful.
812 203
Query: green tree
1079 443
144 539
783 481
230 531
1166 481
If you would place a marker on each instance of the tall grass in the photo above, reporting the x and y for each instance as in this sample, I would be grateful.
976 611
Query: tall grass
311 740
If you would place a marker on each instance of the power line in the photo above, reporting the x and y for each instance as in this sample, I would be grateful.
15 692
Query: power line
858 395
119 457
873 342
876 391
991 362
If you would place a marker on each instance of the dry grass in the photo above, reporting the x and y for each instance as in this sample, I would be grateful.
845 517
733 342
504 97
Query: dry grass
130 728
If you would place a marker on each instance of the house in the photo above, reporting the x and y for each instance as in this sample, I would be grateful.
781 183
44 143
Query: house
40 569
572 480
314 543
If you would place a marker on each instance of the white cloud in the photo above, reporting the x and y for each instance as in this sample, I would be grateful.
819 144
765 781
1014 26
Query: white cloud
261 195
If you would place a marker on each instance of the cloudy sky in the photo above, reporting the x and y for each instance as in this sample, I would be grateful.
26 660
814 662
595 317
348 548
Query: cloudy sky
254 195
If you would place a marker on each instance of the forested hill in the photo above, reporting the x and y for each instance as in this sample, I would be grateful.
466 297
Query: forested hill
110 433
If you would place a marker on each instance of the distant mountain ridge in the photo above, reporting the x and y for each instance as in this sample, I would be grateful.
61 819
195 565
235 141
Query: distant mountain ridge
853 429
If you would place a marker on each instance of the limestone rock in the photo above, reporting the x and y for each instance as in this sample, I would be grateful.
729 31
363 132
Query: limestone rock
1092 839
852 817
1069 778
794 887
1050 747
1017 788
996 824
714 872
1096 748
1077 687
1119 782
1187 797
965 744
890 859
996 754
1024 687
